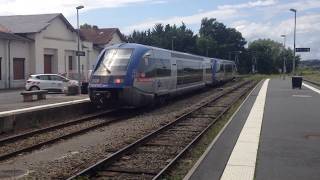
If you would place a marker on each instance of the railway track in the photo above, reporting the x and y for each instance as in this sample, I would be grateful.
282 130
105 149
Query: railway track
151 156
26 142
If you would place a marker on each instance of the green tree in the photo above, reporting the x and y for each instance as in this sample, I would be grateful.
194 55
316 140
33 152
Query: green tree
221 40
182 38
88 26
270 55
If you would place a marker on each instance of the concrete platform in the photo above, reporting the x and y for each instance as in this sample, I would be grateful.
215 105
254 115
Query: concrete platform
12 100
275 134
18 115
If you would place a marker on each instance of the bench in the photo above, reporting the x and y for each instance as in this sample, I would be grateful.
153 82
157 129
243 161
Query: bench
28 95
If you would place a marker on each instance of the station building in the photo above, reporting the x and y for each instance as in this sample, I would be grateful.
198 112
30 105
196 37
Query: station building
45 43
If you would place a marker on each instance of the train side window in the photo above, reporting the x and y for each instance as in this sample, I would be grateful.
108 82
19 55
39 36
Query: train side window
221 68
163 67
179 72
147 67
229 67
208 70
217 67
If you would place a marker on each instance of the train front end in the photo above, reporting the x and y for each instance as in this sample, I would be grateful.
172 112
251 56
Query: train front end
112 79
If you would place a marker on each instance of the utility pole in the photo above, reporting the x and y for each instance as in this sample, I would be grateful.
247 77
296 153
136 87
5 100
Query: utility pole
172 42
79 71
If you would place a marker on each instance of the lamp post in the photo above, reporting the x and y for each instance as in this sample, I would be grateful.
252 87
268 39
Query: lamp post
79 72
294 41
172 41
284 58
207 51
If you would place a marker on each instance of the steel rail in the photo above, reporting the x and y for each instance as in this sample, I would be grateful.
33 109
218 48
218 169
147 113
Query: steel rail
55 127
112 158
197 138
312 82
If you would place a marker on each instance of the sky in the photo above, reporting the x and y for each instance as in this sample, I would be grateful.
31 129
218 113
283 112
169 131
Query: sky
255 19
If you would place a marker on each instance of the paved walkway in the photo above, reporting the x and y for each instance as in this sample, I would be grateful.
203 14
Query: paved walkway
12 100
289 148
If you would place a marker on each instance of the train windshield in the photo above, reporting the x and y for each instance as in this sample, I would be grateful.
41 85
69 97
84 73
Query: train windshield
114 61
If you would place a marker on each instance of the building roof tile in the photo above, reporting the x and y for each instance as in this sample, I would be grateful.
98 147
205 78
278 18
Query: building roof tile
99 36
10 36
30 23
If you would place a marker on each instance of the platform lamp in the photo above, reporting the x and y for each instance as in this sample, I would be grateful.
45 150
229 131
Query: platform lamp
79 72
284 58
294 41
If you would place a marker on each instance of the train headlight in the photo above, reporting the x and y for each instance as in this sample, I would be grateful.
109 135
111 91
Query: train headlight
95 80
118 81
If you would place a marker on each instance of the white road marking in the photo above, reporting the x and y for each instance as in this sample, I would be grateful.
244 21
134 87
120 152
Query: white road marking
311 87
5 113
241 164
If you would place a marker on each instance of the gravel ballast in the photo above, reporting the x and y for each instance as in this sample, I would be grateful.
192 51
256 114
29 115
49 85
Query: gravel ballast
67 157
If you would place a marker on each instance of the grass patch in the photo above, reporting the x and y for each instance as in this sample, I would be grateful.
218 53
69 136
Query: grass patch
310 74
183 165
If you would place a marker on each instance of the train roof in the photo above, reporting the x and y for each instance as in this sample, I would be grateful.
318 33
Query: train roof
141 46
177 54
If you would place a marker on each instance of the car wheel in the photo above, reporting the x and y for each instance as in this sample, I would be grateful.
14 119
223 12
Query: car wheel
34 88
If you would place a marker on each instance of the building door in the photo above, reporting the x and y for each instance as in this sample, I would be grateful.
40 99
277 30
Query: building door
70 61
18 68
47 64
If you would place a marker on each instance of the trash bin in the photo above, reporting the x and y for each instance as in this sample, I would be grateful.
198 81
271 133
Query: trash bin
296 82
72 90
84 87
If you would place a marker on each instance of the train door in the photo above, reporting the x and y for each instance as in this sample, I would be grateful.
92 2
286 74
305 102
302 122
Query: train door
213 64
146 73
207 72
173 85
163 81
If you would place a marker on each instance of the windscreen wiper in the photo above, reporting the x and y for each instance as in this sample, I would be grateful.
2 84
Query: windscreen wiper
108 70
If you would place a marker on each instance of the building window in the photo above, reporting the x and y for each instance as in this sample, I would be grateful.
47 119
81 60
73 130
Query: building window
0 68
18 68
70 63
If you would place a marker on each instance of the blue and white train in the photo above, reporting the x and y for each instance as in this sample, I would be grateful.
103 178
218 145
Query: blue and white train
137 75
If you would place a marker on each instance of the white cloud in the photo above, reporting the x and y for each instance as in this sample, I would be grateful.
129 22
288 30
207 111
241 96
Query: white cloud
308 28
300 5
250 4
192 19
159 2
67 7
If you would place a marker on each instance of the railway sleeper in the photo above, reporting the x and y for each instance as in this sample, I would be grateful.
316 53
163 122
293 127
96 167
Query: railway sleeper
196 120
202 116
102 175
165 153
147 161
217 107
169 142
190 124
171 137
132 170
169 150
160 143
186 130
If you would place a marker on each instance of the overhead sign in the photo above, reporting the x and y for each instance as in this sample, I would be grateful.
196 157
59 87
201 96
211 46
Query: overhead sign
302 49
80 53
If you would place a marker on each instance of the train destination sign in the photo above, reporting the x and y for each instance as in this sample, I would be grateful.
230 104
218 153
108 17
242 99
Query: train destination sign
80 53
302 49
